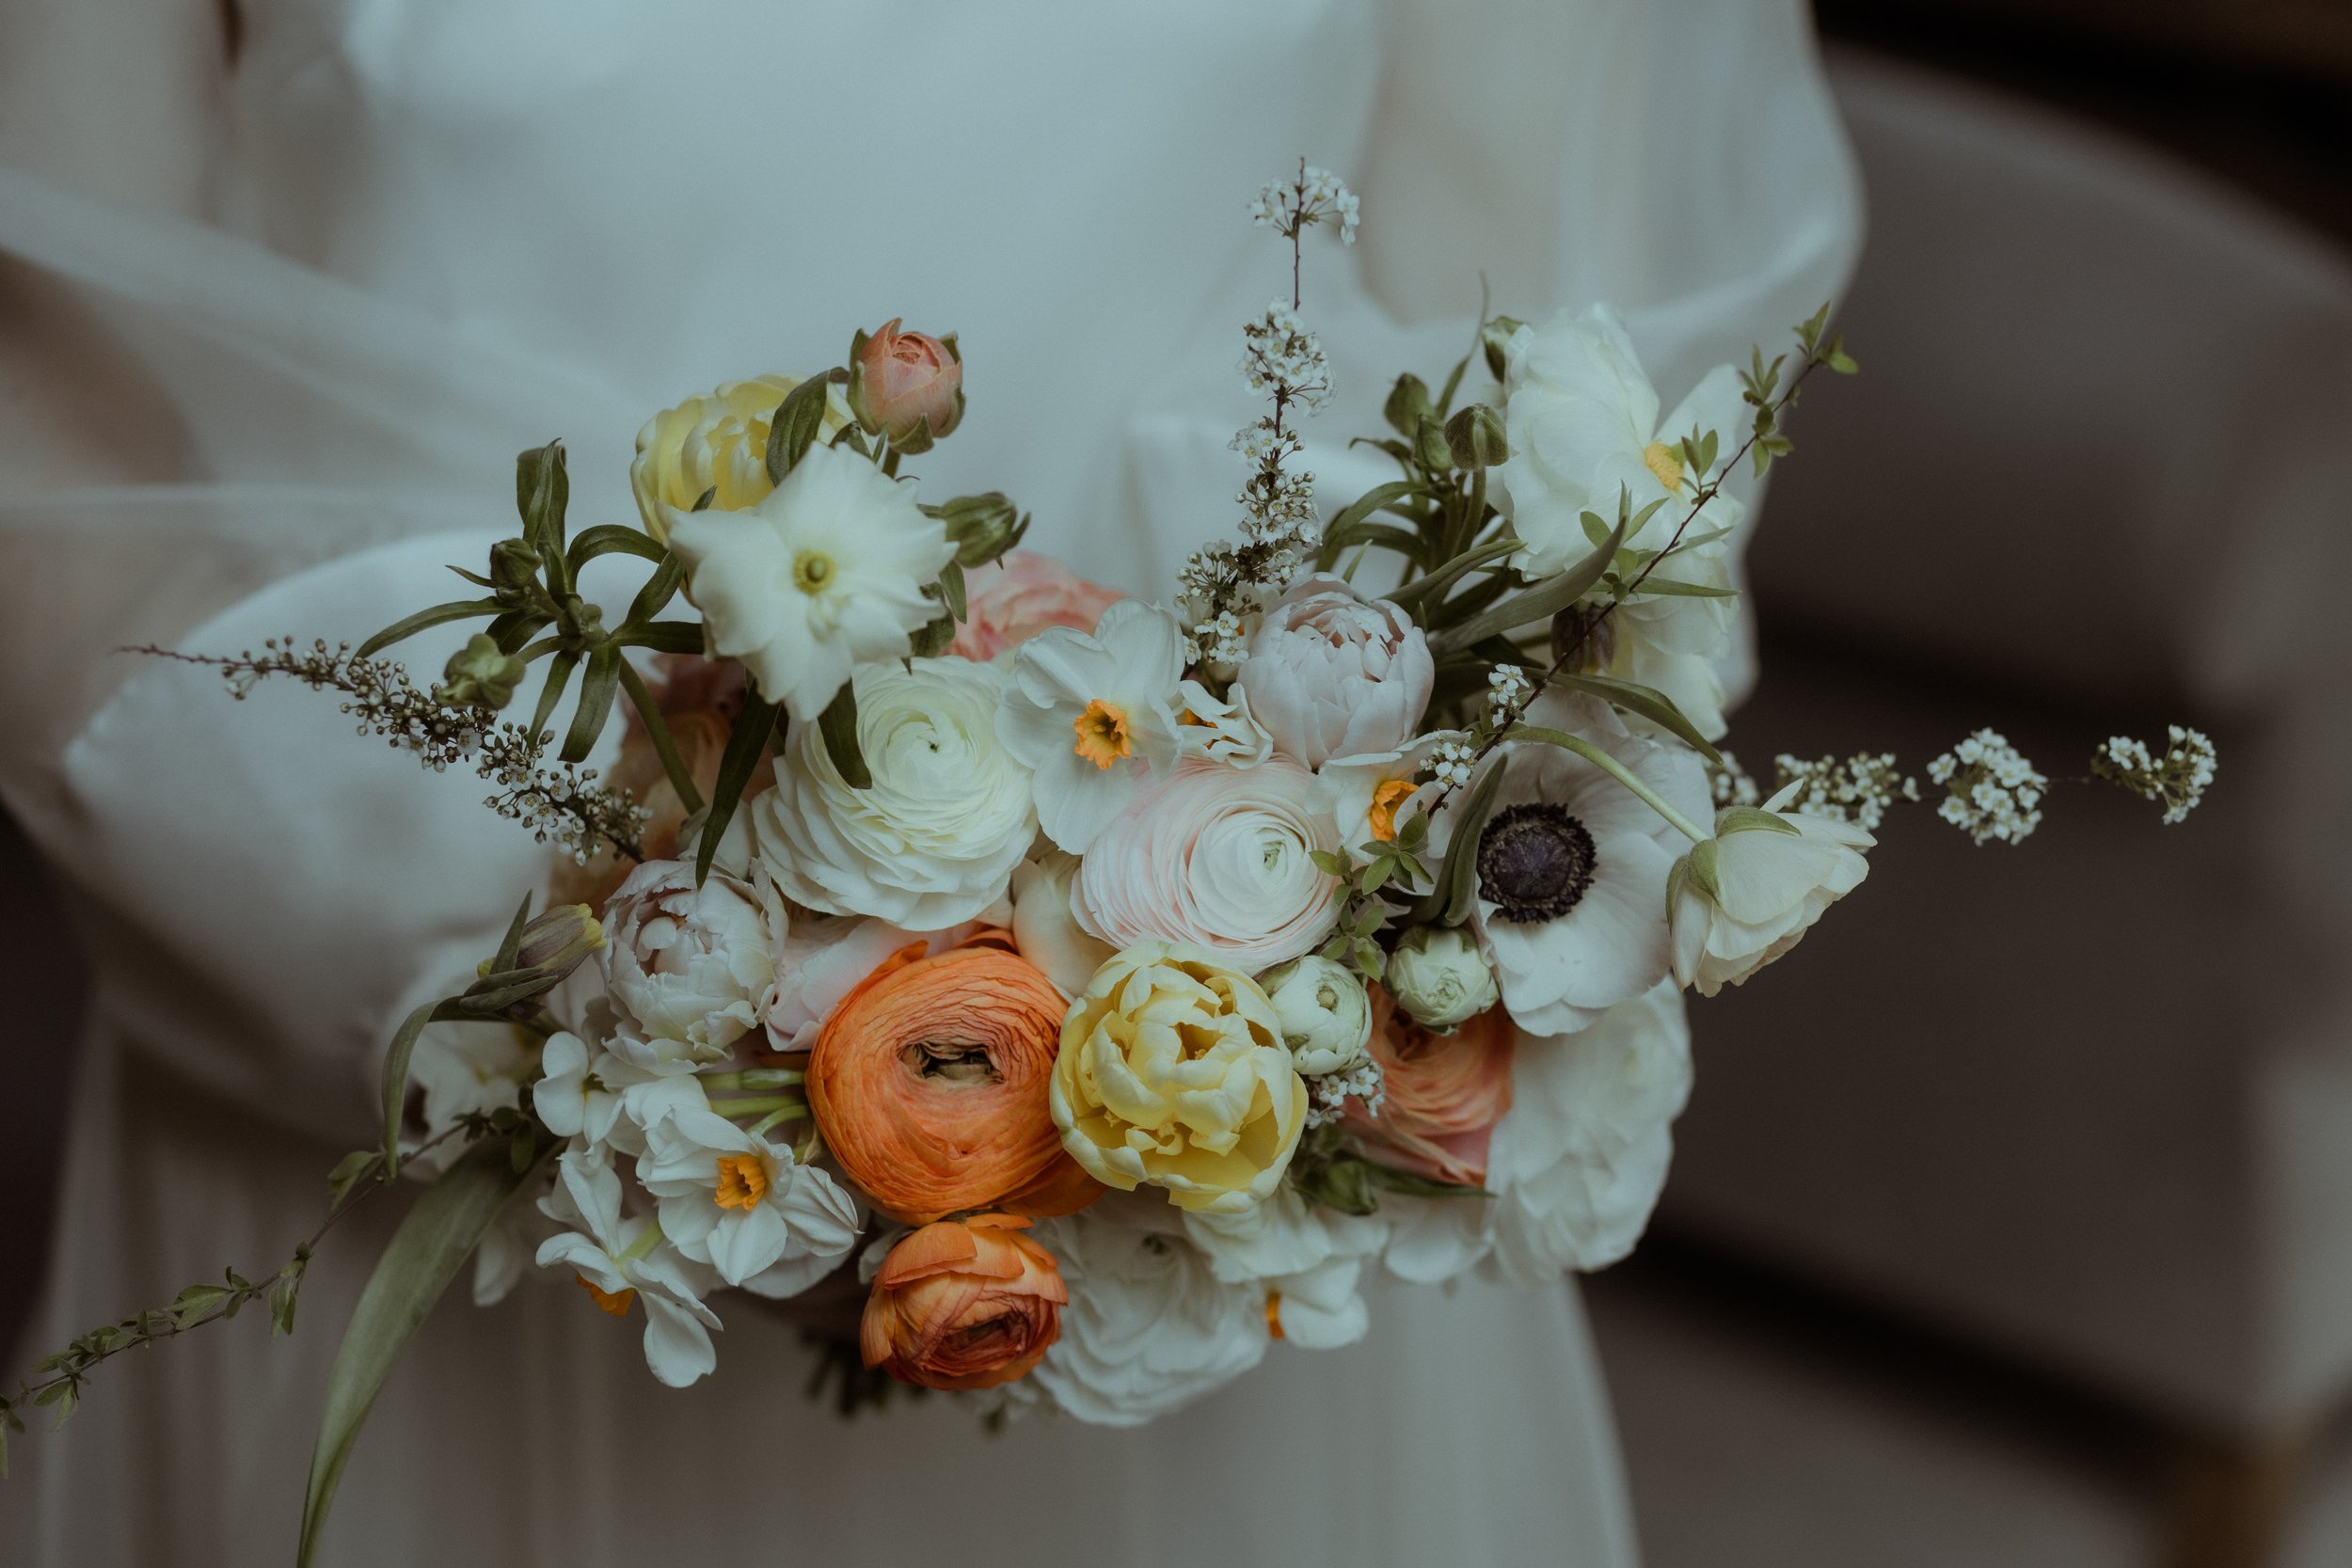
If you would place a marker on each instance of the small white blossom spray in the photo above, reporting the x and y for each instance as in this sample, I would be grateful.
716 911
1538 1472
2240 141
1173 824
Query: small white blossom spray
1991 791
2177 780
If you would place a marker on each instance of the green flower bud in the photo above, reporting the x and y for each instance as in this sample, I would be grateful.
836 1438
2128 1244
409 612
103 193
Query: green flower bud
1493 338
982 528
1429 445
1476 439
479 675
513 567
1409 400
554 945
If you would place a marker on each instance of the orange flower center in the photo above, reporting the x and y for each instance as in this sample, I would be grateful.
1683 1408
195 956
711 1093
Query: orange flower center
1385 800
614 1302
1103 737
743 1180
1274 1313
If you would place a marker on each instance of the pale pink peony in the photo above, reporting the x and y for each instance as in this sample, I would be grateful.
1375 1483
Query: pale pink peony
1331 674
1021 597
1218 858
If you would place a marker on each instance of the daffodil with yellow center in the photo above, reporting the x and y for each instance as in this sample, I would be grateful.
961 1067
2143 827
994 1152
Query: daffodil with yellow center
1387 796
1102 730
743 1180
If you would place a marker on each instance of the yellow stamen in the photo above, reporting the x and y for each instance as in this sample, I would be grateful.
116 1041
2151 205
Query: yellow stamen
1665 461
1103 737
812 571
1274 1313
614 1302
1385 800
743 1180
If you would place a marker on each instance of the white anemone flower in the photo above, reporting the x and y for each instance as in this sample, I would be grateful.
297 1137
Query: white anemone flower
824 573
623 1260
743 1205
1091 716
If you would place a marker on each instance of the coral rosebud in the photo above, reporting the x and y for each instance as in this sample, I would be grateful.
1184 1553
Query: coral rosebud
964 1304
906 383
1444 1093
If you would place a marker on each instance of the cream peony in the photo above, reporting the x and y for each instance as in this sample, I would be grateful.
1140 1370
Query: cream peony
691 965
1326 1015
948 814
1091 715
1172 1073
1331 674
1150 1326
717 443
1220 858
1749 895
1042 927
1440 978
824 573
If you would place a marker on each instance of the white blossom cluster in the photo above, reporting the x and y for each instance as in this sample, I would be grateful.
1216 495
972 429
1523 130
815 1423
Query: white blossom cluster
1316 196
1451 762
1328 1096
2176 780
1991 791
1282 359
1507 691
1731 783
1857 790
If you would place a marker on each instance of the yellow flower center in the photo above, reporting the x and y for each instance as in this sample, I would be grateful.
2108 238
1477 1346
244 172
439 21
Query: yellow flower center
1103 737
812 571
1274 1313
1385 800
743 1180
1665 461
614 1302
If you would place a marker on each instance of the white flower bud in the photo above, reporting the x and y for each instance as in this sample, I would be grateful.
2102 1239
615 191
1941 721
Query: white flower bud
1326 1016
1438 976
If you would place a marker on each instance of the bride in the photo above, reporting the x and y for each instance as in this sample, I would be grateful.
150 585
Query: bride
288 284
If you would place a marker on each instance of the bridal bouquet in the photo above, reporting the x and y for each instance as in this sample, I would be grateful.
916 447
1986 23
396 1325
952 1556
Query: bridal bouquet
1059 997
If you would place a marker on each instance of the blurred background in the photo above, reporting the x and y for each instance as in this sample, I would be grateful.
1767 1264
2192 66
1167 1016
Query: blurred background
2060 1269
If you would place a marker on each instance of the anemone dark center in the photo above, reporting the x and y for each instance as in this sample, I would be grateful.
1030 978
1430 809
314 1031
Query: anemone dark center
1535 862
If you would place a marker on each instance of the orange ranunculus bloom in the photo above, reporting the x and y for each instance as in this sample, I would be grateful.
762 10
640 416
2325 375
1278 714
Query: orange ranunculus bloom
964 1304
930 1085
1444 1093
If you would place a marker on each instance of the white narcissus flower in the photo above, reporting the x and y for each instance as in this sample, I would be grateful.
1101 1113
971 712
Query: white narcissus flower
949 814
1091 715
1326 1017
1440 978
1749 895
690 964
466 1068
1220 729
1042 927
824 573
606 1253
607 1098
1150 1326
1332 674
1370 793
742 1205
1216 857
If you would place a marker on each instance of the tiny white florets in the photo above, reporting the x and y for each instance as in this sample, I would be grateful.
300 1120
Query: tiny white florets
2177 780
1991 791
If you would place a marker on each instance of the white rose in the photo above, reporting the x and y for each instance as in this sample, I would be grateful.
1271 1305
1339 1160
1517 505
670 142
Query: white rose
1042 927
1750 893
934 839
1331 674
1438 976
691 965
1326 1017
1150 1326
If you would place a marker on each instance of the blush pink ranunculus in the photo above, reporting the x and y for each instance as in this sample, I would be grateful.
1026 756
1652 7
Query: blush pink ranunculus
909 380
1022 595
1442 1093
1332 674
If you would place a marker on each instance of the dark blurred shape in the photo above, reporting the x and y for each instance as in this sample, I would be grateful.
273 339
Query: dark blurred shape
42 977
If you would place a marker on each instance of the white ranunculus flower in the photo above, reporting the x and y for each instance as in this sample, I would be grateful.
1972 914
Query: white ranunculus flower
1578 1161
1150 1326
691 965
1440 978
933 840
1750 893
1571 866
606 1253
1326 1017
1218 858
1091 715
742 1205
824 573
1042 927
1332 674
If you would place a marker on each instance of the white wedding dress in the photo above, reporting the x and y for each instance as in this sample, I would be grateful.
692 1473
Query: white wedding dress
445 232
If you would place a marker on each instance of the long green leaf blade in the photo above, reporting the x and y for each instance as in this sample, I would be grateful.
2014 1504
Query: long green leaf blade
597 687
1648 702
753 727
838 725
1540 603
400 630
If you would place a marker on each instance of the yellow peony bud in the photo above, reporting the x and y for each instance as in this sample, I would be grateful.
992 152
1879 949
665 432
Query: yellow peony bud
717 443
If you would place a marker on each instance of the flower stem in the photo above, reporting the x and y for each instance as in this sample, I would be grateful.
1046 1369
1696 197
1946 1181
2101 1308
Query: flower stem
753 1078
1616 770
759 1105
664 746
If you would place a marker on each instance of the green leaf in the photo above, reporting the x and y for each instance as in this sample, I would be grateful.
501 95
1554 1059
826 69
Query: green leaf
607 537
1459 882
597 687
1445 577
838 725
951 590
283 1294
423 1255
396 1082
665 637
1648 702
543 491
1452 384
352 1169
753 727
1750 819
1671 588
1540 603
407 627
1343 530
794 428
1406 1182
559 675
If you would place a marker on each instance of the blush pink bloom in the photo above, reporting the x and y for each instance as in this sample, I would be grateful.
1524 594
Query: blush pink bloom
1443 1093
1024 595
907 380
1331 674
1218 858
